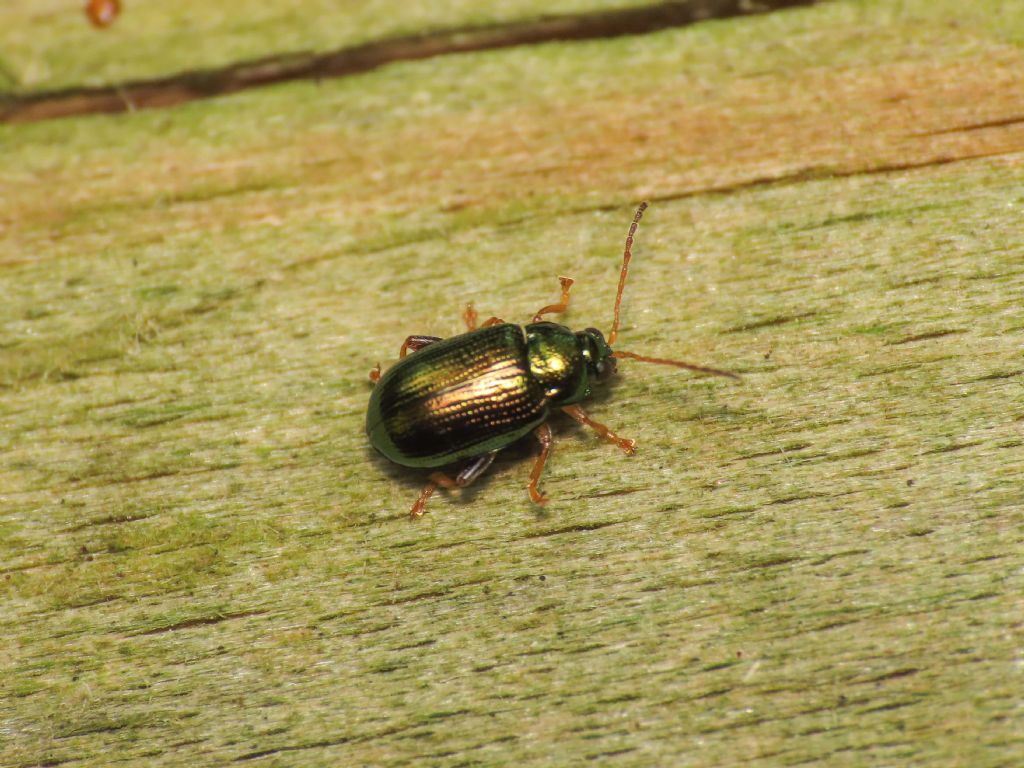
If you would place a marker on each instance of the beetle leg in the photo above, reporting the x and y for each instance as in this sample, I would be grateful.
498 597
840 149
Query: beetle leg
470 316
474 470
419 507
416 342
628 446
411 343
543 434
461 480
562 305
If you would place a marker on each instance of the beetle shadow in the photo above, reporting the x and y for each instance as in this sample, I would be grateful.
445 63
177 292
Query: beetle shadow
411 478
415 479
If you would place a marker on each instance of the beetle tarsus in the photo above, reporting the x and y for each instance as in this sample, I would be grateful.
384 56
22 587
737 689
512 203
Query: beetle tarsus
419 507
470 316
627 445
543 435
562 305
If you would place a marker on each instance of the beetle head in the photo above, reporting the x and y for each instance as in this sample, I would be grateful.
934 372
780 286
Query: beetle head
597 354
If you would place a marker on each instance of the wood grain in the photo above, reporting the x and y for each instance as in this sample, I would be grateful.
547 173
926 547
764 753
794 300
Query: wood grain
203 564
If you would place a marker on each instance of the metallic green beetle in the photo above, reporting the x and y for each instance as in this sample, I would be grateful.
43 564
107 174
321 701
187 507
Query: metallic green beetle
468 396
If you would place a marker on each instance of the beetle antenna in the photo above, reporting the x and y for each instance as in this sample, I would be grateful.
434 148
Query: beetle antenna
677 363
614 334
626 256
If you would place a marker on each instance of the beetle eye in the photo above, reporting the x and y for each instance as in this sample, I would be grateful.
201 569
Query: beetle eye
604 369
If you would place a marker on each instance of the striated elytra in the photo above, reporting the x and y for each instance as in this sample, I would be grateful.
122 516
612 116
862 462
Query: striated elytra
464 398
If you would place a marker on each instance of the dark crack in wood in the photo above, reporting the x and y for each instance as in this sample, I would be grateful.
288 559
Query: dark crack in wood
208 83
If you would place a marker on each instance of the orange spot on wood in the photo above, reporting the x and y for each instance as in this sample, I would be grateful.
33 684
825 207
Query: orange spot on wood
102 12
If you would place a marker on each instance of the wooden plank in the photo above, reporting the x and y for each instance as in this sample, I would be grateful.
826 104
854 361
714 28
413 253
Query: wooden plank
202 563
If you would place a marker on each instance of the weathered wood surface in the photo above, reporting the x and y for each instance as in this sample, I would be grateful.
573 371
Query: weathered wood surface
513 25
47 44
202 563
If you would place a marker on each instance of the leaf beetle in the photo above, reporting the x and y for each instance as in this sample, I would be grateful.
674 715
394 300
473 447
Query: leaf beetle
464 398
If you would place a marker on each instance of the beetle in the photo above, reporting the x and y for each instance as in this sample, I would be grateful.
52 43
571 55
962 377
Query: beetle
464 398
